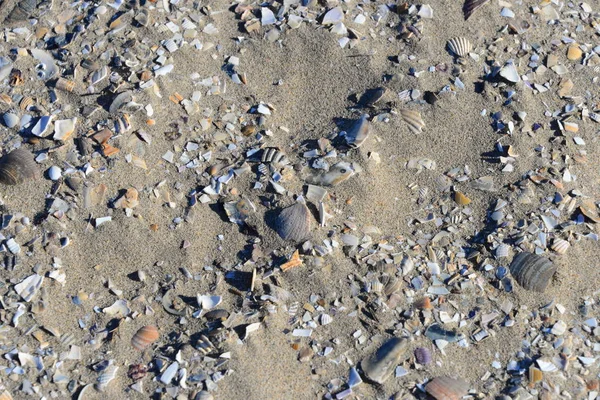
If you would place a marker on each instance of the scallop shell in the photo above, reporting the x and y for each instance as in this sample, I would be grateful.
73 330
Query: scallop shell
413 119
531 271
337 174
423 355
359 132
144 337
274 155
471 6
25 103
446 388
326 319
17 167
379 366
106 377
560 246
459 46
375 286
294 223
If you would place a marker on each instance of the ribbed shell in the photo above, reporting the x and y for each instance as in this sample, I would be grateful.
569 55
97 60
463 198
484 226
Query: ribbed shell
359 132
294 223
17 167
25 103
144 337
170 45
471 6
274 155
423 355
379 366
65 84
459 46
531 271
413 120
446 388
22 11
560 246
106 377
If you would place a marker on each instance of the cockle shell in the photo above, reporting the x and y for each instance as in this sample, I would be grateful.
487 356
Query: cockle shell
359 132
337 174
106 377
446 388
471 6
560 246
378 367
144 337
459 46
413 120
531 271
17 167
294 223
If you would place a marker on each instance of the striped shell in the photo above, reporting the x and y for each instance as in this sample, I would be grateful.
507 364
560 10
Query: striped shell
17 167
294 222
446 388
359 132
531 271
379 366
423 355
275 156
65 84
25 103
560 246
459 46
471 6
144 337
170 45
413 119
106 377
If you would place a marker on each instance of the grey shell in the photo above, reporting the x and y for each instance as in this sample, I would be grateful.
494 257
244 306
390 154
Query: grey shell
379 366
531 271
17 167
21 11
294 223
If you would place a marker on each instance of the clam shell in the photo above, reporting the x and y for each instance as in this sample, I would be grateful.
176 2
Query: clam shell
471 6
560 246
459 46
446 388
106 377
17 167
531 271
294 223
378 367
359 132
144 337
413 120
10 120
423 355
25 103
502 250
337 174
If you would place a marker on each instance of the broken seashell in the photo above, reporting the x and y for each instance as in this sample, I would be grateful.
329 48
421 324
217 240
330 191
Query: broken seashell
560 246
510 73
378 367
531 271
315 194
471 6
239 211
337 174
294 223
144 337
29 286
502 250
293 262
65 84
359 132
17 167
21 11
106 377
372 97
207 302
119 308
63 129
413 119
459 46
10 120
461 199
274 155
25 103
447 388
423 355
333 16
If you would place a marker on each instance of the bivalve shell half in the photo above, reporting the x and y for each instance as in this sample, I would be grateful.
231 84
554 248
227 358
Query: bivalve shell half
106 377
6 395
413 120
17 167
378 367
294 223
471 6
460 46
359 132
11 120
531 271
560 246
447 388
144 337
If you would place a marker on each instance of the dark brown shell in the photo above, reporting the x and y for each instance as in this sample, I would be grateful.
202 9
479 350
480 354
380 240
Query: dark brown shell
446 388
531 271
471 6
294 223
21 11
17 167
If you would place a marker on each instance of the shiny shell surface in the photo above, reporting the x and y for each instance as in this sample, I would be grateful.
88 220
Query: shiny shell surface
17 167
294 223
531 271
447 388
359 132
144 337
459 46
378 367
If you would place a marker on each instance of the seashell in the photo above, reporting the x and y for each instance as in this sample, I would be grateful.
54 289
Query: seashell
106 377
239 211
10 120
510 73
436 331
13 246
89 64
359 132
531 271
337 174
122 124
41 126
65 84
333 16
25 103
461 199
375 286
378 367
413 119
459 46
392 286
29 286
207 302
204 345
99 75
446 388
502 250
560 246
54 173
294 223
188 24
142 17
423 355
326 319
6 395
315 194
203 395
120 100
17 167
274 156
170 45
471 6
144 337
63 129
372 97
21 11
50 69
119 308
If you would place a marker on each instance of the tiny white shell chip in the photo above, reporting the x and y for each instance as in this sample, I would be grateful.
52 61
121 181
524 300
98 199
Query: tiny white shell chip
209 302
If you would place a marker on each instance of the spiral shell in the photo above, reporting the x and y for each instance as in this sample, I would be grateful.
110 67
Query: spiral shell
560 246
17 167
446 388
531 271
459 46
294 223
144 337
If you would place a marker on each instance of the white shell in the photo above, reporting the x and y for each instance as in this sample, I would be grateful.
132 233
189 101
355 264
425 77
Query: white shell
315 193
169 373
510 73
208 302
99 75
41 126
560 246
413 119
64 128
459 46
106 377
54 173
13 246
119 307
333 16
502 250
29 286
376 286
10 120
188 24
326 319
267 17
170 45
51 70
